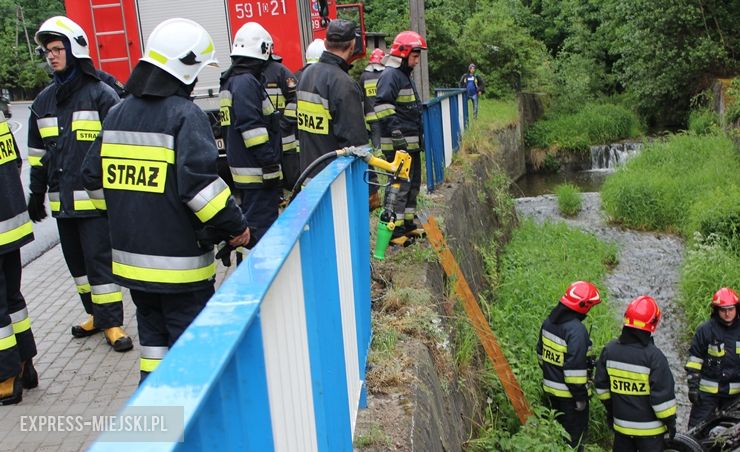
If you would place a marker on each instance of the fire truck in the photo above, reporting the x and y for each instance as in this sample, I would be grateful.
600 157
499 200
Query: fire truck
118 30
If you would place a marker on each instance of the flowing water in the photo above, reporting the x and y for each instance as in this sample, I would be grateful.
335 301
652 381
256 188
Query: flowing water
605 159
648 265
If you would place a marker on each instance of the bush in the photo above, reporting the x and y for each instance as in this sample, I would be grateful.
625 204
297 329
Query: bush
709 265
657 189
534 271
717 214
703 122
569 199
593 124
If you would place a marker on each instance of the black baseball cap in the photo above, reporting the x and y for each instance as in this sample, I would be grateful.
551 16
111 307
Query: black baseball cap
341 30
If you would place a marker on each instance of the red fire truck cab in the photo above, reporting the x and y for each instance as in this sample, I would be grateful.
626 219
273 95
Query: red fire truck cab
118 29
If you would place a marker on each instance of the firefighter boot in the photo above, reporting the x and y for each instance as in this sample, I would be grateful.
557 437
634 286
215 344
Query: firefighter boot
118 339
85 329
400 238
411 229
11 391
29 376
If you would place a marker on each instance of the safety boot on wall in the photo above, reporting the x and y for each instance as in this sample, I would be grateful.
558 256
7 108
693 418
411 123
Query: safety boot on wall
11 391
85 329
118 339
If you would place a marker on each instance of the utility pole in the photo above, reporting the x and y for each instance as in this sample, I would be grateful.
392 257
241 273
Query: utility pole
22 18
418 24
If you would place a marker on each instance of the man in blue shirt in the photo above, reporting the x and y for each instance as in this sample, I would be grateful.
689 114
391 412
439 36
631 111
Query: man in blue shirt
474 85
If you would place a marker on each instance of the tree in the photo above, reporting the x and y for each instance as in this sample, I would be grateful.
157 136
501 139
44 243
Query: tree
19 69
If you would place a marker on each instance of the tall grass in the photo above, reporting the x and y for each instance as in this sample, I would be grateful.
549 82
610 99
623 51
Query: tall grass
496 113
710 264
535 269
593 124
657 190
569 199
688 185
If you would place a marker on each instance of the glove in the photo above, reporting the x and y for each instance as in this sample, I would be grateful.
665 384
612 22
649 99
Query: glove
272 176
693 396
36 208
670 424
581 405
399 142
693 383
224 253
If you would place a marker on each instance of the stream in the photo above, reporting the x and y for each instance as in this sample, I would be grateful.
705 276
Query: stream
649 264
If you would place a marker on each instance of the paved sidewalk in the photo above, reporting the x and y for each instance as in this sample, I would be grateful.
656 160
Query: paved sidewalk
77 377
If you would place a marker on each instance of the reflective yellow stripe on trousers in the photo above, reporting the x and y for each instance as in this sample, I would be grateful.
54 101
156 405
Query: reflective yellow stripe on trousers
20 321
151 357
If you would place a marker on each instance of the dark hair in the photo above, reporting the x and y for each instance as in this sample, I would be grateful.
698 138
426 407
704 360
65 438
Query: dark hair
339 46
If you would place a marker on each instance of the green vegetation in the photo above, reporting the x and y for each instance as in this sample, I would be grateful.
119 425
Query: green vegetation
579 51
534 270
19 69
688 185
569 199
709 265
593 124
374 436
496 113
657 189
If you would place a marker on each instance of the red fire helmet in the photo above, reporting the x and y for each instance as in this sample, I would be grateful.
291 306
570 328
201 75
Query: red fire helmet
643 314
581 296
407 42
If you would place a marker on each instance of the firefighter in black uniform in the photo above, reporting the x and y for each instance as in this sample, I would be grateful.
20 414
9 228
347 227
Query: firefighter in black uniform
330 113
155 161
280 85
562 350
17 346
635 384
65 119
369 83
398 108
713 368
252 130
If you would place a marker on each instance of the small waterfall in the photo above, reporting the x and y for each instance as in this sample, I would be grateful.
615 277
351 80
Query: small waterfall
610 156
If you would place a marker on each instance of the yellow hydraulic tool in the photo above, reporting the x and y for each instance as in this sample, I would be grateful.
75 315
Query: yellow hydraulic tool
397 171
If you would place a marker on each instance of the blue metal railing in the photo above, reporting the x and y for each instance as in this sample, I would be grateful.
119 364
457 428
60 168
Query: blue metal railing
445 118
276 360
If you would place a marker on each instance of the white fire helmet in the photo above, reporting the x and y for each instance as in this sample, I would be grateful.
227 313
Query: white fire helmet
180 47
314 51
252 40
64 27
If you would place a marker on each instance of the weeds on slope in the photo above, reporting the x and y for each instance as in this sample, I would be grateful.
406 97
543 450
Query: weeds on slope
533 273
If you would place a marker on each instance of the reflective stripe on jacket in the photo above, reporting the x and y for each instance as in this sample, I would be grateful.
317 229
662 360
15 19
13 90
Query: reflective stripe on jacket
714 356
63 124
15 226
329 111
638 381
369 84
398 107
281 85
251 130
562 350
156 163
